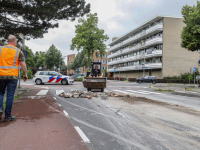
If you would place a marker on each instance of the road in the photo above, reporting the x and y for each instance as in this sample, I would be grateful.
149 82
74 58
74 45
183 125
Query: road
168 122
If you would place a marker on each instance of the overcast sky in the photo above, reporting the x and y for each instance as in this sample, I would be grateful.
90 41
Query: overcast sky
116 17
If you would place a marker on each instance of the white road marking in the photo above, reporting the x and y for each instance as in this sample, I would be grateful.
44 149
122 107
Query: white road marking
58 92
59 105
82 135
130 92
66 114
54 98
42 87
35 97
42 92
149 92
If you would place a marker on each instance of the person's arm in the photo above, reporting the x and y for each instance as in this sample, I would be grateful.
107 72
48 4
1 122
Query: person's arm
24 69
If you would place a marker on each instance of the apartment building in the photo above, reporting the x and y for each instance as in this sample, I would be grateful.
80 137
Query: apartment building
104 60
153 48
96 58
70 59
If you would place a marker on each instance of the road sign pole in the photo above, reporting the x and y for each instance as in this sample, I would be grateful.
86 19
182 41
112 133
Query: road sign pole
194 78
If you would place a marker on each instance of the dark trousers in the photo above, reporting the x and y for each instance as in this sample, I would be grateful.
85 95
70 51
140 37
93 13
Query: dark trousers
88 73
10 85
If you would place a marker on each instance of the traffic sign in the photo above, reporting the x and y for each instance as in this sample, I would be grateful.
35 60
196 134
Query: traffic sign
194 69
114 70
144 67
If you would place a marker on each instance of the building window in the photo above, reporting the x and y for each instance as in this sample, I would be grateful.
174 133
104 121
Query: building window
68 58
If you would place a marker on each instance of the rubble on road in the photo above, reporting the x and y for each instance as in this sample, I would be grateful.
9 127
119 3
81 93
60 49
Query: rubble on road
84 94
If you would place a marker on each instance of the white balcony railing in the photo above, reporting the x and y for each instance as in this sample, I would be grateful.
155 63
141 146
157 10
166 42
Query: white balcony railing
138 67
153 41
137 57
158 27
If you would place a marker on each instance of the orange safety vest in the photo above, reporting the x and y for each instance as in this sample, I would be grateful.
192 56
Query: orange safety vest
9 60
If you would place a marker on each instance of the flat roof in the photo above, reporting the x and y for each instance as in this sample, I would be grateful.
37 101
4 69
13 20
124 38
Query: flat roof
141 27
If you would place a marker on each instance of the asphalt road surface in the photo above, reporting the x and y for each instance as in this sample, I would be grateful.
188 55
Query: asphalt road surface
169 122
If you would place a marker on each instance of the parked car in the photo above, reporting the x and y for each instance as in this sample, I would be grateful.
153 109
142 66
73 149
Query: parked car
148 79
42 77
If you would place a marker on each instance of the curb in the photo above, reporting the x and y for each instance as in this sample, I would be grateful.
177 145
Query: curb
186 94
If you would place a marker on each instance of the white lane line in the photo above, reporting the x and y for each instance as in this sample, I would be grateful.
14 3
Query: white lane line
82 135
66 114
42 92
58 92
130 92
149 92
59 105
43 87
54 98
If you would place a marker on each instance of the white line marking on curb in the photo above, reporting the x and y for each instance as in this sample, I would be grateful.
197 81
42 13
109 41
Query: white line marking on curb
66 114
54 98
82 135
42 92
59 105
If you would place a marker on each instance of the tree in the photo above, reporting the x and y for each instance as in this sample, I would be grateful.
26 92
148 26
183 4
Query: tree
191 32
33 18
53 57
89 37
29 61
40 59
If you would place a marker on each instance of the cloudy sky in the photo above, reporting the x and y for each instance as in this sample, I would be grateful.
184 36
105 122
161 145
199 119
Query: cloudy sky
116 17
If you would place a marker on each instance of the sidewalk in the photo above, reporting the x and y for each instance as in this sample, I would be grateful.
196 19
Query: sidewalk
40 125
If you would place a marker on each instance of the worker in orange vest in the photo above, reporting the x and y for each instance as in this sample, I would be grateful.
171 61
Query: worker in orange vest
10 58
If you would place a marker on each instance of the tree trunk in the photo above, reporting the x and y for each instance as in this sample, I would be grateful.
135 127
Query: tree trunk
88 58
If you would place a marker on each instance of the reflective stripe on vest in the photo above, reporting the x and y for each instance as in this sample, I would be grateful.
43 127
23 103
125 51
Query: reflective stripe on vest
6 69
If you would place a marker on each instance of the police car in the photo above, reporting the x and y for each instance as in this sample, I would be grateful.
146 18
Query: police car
42 77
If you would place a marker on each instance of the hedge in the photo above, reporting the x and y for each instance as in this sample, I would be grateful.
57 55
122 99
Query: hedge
131 79
78 79
173 81
110 78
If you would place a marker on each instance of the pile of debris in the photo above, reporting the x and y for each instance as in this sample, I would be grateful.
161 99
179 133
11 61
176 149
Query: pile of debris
78 94
89 95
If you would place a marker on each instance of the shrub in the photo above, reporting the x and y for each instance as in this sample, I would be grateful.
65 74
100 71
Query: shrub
131 79
29 74
110 78
78 79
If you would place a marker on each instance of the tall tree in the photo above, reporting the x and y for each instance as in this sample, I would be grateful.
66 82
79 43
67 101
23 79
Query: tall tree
29 61
89 37
40 59
33 18
191 32
53 57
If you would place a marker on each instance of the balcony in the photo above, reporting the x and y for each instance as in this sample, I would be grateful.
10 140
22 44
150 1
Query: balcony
158 27
137 57
138 67
156 40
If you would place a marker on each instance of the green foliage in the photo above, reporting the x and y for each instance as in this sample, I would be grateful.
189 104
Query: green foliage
161 90
33 18
53 57
89 37
78 79
29 74
191 32
29 61
39 59
172 77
